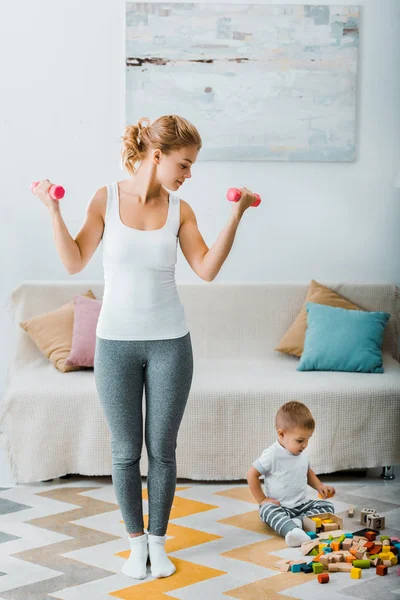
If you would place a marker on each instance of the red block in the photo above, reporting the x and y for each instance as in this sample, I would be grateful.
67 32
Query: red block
370 535
381 570
324 577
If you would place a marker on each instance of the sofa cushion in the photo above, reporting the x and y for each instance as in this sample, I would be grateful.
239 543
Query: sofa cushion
293 340
338 339
86 315
52 333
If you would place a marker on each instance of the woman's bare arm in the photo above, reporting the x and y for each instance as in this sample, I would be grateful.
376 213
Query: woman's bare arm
76 253
206 262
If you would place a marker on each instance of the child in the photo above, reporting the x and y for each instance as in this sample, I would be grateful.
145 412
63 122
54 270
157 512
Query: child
287 472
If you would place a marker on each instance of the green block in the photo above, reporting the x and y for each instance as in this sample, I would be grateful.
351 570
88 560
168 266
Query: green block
373 556
317 567
385 537
314 552
361 564
342 538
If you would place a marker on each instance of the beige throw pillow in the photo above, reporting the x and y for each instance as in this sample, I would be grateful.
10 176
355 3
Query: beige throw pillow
52 333
293 340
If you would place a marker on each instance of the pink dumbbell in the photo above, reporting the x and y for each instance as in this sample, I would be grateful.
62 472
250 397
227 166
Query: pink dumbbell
233 195
56 191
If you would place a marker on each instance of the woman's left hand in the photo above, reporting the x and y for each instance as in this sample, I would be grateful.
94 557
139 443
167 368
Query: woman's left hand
246 199
326 491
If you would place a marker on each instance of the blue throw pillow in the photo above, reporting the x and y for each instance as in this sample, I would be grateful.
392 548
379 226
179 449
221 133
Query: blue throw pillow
338 339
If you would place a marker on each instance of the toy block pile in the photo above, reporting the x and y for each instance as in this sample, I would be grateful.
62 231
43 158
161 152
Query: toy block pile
346 552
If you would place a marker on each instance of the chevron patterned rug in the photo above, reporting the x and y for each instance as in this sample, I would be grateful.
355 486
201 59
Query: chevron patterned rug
66 539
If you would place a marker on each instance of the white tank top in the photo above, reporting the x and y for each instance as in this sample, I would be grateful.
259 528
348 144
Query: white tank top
140 301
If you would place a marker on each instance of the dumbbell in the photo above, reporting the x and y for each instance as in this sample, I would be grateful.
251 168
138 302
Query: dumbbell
233 195
56 191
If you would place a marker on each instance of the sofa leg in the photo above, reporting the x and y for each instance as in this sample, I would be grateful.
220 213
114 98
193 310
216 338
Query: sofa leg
388 473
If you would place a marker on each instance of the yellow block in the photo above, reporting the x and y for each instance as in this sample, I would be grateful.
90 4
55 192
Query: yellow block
318 522
355 573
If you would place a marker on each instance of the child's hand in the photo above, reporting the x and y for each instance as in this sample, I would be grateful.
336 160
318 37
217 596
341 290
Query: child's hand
326 491
270 500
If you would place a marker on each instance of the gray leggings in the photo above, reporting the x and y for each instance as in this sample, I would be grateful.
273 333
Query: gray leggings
280 517
165 369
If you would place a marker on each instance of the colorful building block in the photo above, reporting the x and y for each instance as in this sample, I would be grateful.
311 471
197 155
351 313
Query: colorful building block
355 573
306 568
381 570
371 536
317 568
323 578
364 513
362 564
311 535
296 568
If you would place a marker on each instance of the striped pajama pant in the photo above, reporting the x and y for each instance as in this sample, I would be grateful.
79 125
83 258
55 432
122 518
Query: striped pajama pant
280 518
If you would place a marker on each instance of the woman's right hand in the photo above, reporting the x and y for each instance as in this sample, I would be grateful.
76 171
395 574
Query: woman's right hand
270 501
42 192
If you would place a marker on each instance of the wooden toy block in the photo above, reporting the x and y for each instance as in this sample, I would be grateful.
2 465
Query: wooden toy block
362 532
311 534
381 570
344 567
353 550
384 555
384 537
349 535
394 561
362 564
375 550
324 561
317 568
335 546
369 546
314 552
371 536
334 568
329 526
323 578
295 568
364 513
359 539
350 559
350 513
386 542
306 568
327 549
375 521
376 561
308 547
321 547
327 520
355 573
361 555
338 557
315 522
347 544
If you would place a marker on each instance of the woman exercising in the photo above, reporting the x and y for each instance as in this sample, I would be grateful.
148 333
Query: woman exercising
142 338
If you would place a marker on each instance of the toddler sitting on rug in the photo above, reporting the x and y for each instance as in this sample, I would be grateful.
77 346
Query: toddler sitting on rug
286 470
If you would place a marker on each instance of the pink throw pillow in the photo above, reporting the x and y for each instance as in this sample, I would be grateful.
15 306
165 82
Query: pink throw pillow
86 314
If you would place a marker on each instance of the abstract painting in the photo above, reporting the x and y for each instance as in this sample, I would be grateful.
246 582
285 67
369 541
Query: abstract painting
260 82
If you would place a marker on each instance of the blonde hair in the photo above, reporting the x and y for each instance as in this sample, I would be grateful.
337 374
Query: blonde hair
167 133
294 414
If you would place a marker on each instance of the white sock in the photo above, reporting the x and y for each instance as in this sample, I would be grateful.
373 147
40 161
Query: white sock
298 522
135 566
161 566
296 537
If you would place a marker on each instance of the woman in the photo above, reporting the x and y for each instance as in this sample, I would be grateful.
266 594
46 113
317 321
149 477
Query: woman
142 336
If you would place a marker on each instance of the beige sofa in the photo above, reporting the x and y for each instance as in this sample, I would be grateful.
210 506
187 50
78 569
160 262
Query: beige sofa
52 424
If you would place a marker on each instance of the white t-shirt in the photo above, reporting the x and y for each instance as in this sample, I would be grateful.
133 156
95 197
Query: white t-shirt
285 474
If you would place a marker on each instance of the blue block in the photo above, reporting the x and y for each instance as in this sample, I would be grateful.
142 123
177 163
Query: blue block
311 534
296 568
327 549
306 568
348 535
